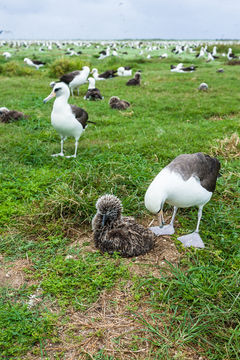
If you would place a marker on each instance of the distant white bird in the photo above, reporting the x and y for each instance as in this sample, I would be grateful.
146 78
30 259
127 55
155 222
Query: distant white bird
121 71
7 55
203 87
76 78
34 63
201 54
104 53
230 55
163 56
67 120
96 75
178 68
210 57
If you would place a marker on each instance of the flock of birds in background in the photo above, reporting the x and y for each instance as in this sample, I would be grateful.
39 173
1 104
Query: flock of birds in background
189 180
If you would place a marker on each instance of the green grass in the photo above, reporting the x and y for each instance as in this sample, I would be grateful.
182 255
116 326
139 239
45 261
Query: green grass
79 282
46 202
22 328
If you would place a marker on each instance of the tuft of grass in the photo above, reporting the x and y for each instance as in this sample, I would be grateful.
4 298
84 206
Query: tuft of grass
21 329
200 303
78 282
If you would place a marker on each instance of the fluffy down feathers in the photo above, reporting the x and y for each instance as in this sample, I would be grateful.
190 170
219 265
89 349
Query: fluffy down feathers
116 103
7 116
135 81
114 232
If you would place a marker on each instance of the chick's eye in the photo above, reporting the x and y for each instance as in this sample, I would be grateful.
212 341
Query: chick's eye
57 89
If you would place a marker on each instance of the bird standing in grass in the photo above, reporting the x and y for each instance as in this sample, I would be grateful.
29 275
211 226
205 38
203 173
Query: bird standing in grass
67 120
116 233
189 180
76 78
34 63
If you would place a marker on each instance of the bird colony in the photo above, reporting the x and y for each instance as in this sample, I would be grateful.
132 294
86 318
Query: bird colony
188 180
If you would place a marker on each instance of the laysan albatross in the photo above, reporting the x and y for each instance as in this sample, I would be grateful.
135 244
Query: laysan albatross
67 120
189 180
76 78
93 93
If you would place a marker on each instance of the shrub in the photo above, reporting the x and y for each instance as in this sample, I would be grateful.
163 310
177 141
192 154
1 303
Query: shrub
64 65
13 68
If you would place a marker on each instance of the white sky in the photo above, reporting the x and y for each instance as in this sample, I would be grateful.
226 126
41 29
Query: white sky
118 19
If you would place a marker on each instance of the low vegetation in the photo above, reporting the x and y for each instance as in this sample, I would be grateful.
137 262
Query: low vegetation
68 301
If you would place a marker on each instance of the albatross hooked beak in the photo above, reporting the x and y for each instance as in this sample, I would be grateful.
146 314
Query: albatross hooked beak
160 218
49 97
104 219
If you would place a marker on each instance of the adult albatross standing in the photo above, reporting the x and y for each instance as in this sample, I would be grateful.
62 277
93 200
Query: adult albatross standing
67 120
189 180
76 78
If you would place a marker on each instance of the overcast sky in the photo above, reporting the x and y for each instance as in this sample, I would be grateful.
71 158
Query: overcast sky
118 19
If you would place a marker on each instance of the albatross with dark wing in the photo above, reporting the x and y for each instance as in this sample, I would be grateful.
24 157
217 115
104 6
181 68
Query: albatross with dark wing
34 63
93 93
96 75
76 78
189 180
108 74
67 120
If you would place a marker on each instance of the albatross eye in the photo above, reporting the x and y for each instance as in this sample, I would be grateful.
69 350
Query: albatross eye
57 89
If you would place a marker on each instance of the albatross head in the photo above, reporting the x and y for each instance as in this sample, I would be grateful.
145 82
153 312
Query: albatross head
59 89
109 208
155 198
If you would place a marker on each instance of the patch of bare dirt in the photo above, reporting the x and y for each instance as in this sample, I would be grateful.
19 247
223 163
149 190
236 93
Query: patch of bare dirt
12 273
110 326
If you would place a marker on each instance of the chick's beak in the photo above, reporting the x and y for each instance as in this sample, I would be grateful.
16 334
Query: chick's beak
104 219
49 97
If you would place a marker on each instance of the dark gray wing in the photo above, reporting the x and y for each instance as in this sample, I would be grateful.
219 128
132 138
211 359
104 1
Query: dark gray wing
189 68
67 78
80 114
200 165
105 74
108 74
37 62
